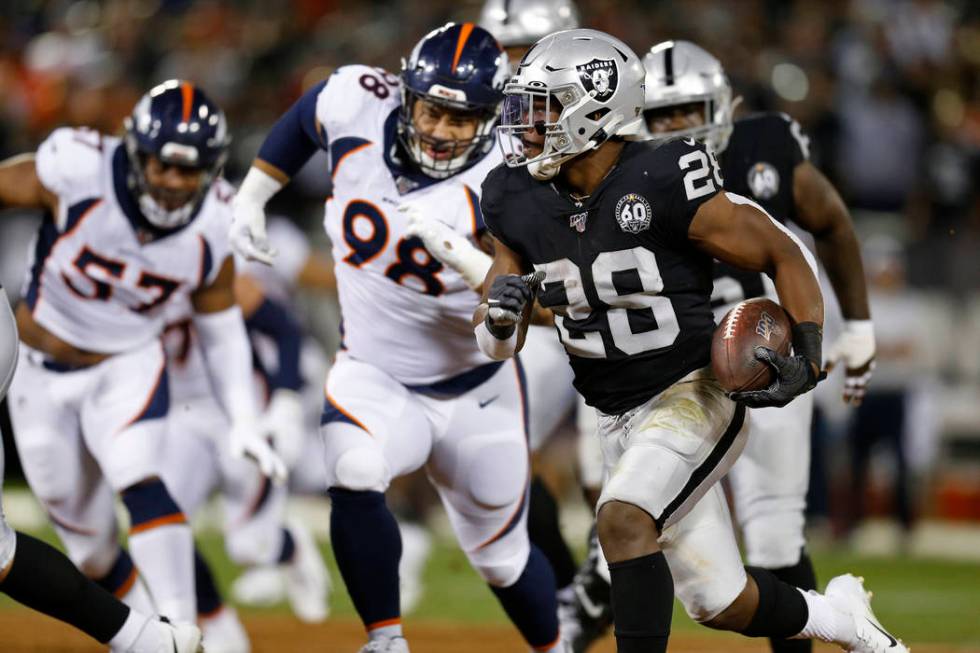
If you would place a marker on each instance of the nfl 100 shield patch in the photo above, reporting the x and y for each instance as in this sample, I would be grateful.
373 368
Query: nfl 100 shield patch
763 180
601 76
633 213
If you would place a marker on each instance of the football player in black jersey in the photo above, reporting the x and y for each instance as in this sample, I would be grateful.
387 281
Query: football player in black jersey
625 233
766 157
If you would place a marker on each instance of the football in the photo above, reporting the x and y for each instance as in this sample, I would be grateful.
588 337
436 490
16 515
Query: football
750 324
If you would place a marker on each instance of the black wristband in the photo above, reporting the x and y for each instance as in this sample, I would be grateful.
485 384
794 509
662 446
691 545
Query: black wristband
498 331
808 342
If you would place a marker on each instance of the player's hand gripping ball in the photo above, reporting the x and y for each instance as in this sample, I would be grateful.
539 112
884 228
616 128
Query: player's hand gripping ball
751 324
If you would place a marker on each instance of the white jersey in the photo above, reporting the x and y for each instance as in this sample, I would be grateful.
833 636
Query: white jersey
98 279
403 311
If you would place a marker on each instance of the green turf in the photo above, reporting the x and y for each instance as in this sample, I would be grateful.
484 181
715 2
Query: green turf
922 600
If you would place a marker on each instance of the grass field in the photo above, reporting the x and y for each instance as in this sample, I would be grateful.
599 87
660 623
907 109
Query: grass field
932 604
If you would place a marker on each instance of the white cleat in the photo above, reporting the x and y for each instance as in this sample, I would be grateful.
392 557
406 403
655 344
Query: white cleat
386 645
259 587
224 633
847 594
416 546
307 581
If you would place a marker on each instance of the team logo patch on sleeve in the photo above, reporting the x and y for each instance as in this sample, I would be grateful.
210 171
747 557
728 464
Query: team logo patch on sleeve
633 213
601 76
763 180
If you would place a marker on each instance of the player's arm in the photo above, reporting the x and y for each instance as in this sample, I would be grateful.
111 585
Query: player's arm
821 211
734 230
500 321
289 145
283 417
20 185
218 320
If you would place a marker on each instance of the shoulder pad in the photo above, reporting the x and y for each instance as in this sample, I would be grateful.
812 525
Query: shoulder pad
69 161
354 97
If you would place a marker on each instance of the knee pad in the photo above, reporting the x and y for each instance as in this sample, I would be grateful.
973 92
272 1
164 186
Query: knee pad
774 540
94 561
361 469
490 472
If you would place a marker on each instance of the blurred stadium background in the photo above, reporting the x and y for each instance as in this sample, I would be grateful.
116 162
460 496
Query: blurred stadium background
889 91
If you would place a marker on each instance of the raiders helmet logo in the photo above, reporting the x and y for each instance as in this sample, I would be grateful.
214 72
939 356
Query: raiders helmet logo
763 180
633 213
599 76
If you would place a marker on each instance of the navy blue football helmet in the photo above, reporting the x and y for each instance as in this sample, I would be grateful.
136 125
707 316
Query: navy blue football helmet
461 67
178 124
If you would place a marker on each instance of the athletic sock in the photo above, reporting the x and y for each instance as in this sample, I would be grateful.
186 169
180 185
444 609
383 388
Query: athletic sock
802 576
531 602
642 599
123 581
782 610
367 546
287 549
162 545
544 531
42 578
824 621
205 589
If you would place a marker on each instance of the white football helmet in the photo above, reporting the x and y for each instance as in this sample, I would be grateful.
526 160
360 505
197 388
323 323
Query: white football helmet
591 80
523 22
680 72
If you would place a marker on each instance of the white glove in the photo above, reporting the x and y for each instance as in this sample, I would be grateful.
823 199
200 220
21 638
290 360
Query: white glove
245 441
856 349
247 232
284 421
452 249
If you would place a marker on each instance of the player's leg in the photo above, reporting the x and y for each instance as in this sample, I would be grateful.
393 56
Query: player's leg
717 592
66 479
192 471
480 467
374 429
769 484
661 458
258 536
551 399
39 576
124 423
586 612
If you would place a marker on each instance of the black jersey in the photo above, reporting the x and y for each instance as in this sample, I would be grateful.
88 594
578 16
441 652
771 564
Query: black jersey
762 153
630 292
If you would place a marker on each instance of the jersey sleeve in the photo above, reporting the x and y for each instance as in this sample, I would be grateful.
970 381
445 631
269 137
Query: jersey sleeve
69 164
354 101
686 175
215 245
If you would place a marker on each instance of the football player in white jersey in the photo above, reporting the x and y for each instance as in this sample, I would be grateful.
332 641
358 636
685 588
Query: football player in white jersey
41 577
131 225
409 386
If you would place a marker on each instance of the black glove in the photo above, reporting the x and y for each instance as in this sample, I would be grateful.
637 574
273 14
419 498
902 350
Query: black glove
795 375
508 297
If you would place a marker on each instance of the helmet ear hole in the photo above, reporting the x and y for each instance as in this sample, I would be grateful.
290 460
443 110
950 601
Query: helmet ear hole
597 115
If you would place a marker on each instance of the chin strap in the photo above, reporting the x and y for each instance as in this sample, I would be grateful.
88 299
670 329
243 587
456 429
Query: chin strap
548 167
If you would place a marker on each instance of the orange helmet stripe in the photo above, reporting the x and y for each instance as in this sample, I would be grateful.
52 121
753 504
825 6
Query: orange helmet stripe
464 35
187 92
